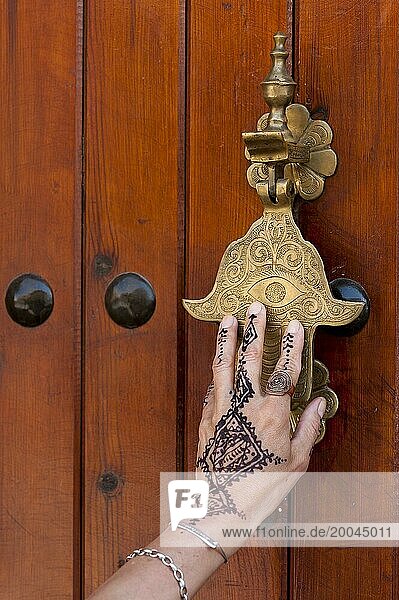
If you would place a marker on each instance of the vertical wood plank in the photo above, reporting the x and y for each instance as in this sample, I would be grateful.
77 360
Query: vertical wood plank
229 45
131 225
347 67
40 183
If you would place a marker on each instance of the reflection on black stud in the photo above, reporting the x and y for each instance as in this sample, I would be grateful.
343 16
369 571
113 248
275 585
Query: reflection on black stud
352 291
29 300
130 300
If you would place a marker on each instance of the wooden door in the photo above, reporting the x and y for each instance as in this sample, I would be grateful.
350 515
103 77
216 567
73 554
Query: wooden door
121 151
40 232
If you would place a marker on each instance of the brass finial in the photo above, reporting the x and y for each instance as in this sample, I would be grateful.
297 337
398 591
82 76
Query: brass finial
278 87
279 55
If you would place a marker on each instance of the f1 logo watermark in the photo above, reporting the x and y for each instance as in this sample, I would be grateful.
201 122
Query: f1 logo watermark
188 499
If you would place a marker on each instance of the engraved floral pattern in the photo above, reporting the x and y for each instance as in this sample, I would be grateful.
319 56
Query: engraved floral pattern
272 258
295 287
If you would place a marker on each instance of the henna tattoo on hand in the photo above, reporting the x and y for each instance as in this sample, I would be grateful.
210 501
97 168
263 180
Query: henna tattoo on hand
232 453
209 391
222 337
219 500
288 344
244 390
250 333
235 449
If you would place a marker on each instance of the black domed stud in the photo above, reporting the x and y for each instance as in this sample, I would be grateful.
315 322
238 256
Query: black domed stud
29 300
347 289
130 300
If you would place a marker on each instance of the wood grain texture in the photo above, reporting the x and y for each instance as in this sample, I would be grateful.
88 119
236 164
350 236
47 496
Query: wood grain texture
40 179
131 219
169 89
347 65
229 45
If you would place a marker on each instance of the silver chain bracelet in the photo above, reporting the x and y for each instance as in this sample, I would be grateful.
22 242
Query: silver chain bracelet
168 562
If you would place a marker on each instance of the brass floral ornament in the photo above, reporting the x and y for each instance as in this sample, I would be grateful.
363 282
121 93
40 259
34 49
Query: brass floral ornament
290 154
314 139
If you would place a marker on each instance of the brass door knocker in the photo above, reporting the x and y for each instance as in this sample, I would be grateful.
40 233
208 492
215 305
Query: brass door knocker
290 154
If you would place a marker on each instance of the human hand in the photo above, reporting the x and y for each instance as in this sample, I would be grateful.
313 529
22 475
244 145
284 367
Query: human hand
246 431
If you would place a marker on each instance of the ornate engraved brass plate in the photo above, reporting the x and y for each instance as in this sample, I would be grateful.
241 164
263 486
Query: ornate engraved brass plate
290 154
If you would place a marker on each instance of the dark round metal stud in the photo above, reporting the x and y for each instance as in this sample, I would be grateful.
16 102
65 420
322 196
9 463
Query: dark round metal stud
352 291
29 300
130 300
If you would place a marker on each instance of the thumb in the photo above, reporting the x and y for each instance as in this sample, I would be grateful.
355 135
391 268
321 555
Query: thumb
307 431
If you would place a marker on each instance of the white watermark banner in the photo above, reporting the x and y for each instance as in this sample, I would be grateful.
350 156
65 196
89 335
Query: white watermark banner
317 532
281 508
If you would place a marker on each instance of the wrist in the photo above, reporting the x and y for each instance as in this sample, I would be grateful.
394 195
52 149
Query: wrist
182 540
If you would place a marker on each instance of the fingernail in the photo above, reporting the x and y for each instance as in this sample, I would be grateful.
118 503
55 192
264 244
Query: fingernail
294 326
321 409
255 308
227 321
